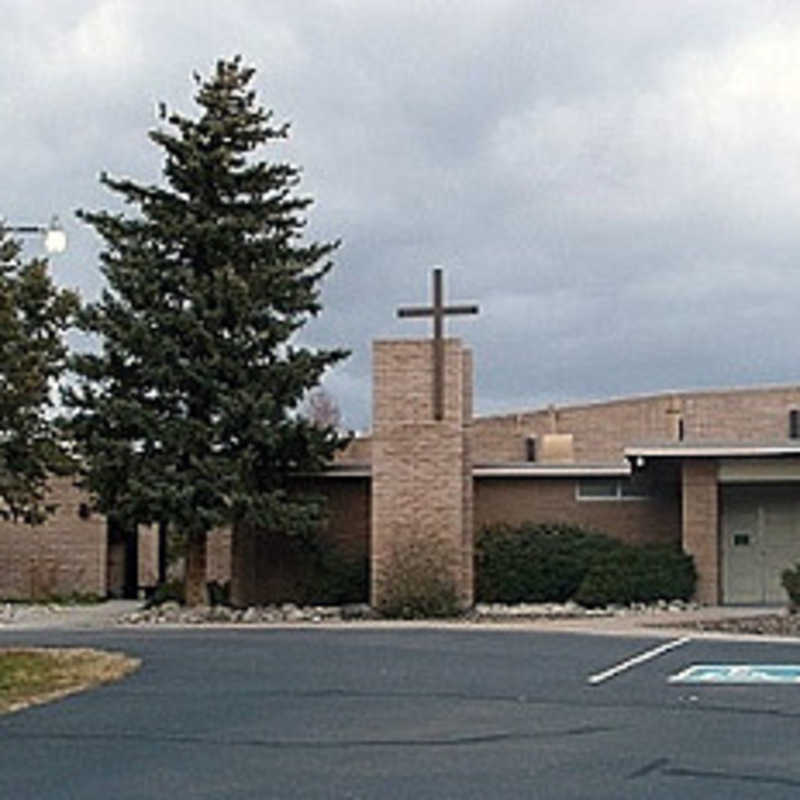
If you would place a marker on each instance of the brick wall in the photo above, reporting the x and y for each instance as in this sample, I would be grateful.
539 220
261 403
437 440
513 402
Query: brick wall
147 560
601 430
265 570
65 555
745 415
421 471
656 520
701 525
218 555
358 451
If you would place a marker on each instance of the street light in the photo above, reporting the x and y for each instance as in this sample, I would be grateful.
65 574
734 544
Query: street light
55 240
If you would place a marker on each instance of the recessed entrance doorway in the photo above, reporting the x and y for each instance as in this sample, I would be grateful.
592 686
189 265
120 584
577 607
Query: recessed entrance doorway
760 537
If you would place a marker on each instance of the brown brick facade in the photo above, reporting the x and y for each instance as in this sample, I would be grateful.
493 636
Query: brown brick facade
513 501
701 525
422 482
268 569
147 564
602 430
66 555
218 556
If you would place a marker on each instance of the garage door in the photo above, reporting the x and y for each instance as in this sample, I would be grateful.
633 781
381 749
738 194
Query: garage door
760 538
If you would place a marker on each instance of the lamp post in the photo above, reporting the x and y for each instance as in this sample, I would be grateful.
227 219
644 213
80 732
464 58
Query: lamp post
55 240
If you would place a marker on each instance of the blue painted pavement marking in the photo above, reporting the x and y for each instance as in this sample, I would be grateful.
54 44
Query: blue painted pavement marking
738 673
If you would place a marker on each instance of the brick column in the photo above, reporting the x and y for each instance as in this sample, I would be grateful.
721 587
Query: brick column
243 569
701 525
421 468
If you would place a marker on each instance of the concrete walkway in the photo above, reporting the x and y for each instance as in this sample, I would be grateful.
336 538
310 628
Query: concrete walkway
18 616
653 623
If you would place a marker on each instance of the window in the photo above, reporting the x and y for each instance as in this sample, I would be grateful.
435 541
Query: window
598 489
610 489
794 424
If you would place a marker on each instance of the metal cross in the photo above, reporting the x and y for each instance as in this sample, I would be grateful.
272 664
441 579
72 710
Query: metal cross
438 311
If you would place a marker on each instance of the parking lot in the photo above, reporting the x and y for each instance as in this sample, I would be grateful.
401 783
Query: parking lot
416 713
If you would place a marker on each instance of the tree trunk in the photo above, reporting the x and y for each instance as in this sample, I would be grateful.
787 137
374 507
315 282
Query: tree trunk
196 587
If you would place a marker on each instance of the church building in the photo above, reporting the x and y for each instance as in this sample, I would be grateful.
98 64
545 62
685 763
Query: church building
715 472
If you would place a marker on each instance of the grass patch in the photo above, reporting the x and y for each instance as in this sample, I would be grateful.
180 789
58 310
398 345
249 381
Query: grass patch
31 676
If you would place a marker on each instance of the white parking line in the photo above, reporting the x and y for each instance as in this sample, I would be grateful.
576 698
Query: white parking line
636 660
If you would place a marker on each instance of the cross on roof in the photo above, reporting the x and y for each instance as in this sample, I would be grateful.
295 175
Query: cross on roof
438 311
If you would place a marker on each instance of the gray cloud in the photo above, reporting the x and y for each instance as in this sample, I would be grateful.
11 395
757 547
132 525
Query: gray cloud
615 183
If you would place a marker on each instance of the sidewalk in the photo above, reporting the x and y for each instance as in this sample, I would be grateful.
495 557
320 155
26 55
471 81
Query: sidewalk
15 616
667 624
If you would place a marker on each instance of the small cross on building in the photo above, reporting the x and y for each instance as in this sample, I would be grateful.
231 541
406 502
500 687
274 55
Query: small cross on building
438 311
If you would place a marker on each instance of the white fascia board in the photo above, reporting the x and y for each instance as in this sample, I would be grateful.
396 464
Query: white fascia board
343 471
525 470
712 451
551 470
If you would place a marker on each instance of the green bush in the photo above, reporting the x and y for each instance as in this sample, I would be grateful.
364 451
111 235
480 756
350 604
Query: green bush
637 575
538 563
219 593
416 586
171 590
535 563
790 580
337 578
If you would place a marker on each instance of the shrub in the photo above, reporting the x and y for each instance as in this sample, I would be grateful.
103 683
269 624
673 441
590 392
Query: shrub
416 585
637 575
170 590
538 563
219 593
314 570
337 578
790 580
535 562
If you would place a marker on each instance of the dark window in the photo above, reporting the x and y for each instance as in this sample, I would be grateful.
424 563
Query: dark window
530 448
598 489
794 424
610 489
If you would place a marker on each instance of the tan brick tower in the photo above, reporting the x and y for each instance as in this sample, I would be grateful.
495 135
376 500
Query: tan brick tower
421 465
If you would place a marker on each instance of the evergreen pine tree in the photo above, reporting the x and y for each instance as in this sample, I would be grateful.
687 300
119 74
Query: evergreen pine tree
187 415
34 315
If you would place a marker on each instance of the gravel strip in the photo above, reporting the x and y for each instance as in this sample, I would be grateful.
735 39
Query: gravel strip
174 614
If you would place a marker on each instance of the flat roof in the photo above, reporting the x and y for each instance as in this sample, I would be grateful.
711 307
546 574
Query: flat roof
713 450
523 469
341 471
532 469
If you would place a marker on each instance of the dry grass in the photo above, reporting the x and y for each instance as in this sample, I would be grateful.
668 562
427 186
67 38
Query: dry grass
30 676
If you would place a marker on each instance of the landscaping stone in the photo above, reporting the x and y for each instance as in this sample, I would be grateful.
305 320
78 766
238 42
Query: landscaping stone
171 613
778 624
22 615
358 611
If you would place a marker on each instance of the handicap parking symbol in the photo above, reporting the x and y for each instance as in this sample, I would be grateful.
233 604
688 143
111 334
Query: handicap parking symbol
738 673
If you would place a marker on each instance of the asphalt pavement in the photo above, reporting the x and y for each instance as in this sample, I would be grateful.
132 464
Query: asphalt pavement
405 713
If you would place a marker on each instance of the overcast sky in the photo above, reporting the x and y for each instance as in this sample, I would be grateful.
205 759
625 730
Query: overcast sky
616 183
